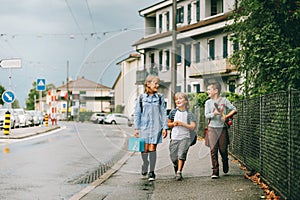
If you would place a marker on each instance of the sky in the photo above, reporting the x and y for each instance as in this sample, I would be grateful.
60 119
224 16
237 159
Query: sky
90 35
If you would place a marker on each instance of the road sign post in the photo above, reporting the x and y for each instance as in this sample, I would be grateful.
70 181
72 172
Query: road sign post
40 86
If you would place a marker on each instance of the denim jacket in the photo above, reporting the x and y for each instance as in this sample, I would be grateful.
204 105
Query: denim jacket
152 119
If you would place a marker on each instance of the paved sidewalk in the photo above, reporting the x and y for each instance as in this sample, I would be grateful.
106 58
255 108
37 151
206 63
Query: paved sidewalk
125 182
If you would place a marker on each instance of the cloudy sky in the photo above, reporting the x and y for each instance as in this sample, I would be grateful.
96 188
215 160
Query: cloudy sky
92 35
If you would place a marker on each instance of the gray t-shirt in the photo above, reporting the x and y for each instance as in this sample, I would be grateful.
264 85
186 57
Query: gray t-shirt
223 103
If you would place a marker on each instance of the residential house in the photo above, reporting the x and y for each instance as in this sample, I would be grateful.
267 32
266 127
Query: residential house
125 88
84 95
203 46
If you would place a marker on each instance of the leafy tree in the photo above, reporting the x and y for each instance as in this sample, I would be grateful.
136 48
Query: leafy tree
267 32
2 89
34 94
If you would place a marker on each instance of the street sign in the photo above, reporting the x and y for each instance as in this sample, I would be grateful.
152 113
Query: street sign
8 96
41 84
10 63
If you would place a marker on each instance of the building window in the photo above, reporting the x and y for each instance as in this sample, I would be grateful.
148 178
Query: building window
160 58
188 55
225 47
180 15
235 46
178 88
197 52
160 22
189 89
211 48
216 6
82 92
167 21
189 17
197 88
167 60
178 54
152 60
231 86
198 10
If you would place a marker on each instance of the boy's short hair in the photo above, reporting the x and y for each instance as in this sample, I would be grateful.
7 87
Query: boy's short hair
216 85
184 96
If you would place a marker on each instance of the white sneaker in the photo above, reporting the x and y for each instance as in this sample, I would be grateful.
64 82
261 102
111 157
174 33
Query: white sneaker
214 176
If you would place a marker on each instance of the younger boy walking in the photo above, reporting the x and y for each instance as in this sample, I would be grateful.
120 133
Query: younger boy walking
182 122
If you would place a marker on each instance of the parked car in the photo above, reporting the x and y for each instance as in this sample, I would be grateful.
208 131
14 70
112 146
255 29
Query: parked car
14 119
36 117
131 120
24 118
98 118
116 118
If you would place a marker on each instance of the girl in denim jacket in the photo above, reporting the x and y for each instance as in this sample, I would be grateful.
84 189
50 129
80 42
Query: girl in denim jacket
150 123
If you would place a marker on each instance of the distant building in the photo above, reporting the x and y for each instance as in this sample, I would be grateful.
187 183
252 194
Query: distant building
84 95
125 88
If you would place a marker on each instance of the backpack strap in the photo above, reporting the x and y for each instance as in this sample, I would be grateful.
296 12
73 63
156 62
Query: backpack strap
141 102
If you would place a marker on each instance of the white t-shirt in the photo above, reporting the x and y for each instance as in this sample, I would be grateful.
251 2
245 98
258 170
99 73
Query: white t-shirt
180 132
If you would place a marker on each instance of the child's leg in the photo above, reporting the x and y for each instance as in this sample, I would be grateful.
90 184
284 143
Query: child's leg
173 148
223 150
183 148
145 162
152 158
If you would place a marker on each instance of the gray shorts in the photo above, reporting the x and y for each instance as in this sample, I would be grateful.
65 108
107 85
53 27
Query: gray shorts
179 148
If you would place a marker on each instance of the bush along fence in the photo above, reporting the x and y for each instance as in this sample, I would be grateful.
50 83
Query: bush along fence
265 137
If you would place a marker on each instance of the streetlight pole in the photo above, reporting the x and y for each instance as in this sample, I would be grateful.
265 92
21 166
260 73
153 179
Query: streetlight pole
67 91
173 59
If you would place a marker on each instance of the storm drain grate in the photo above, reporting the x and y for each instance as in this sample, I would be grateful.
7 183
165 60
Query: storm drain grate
93 175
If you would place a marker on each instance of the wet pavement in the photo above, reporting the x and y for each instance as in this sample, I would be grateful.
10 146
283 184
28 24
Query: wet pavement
125 182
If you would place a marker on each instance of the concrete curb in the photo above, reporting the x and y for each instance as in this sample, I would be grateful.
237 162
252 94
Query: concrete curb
25 135
103 178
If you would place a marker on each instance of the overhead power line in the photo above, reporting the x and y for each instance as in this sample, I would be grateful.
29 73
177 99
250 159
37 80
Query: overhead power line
76 22
91 16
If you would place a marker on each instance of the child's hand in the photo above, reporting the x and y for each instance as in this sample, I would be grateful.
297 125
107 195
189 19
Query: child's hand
136 133
164 133
216 112
177 123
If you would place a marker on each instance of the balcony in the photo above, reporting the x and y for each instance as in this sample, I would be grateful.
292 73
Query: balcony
164 75
142 74
209 67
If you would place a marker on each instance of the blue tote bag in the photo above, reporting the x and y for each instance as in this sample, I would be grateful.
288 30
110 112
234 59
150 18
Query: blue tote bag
136 144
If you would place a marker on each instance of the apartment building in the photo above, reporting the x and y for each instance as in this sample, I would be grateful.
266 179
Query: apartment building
203 46
125 88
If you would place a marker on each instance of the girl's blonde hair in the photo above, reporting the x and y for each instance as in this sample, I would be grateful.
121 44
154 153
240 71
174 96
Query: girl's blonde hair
149 79
184 96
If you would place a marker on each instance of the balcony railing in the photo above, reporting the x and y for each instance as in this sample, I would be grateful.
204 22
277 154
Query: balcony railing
207 67
141 75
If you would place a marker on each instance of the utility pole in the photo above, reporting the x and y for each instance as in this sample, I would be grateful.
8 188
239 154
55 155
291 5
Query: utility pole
174 54
67 90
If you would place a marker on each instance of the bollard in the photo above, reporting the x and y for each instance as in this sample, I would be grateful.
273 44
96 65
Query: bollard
6 123
46 119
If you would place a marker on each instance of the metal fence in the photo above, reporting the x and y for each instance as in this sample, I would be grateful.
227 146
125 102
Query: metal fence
265 137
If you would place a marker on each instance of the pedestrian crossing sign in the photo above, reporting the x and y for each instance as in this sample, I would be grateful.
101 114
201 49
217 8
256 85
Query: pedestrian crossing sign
41 84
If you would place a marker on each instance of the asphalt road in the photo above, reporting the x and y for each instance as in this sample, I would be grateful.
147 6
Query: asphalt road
50 165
